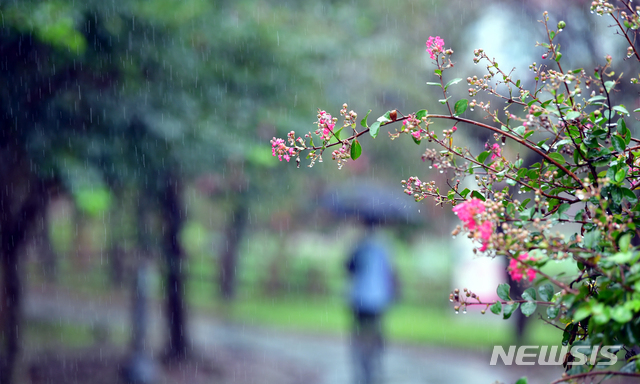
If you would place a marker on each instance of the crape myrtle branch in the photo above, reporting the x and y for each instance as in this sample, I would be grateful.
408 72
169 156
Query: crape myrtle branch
601 300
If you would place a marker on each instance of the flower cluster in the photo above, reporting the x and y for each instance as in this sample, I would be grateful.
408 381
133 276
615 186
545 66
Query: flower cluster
341 155
496 151
435 45
325 125
518 269
412 125
280 149
470 213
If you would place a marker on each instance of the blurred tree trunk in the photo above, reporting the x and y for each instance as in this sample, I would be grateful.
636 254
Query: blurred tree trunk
175 306
229 258
15 224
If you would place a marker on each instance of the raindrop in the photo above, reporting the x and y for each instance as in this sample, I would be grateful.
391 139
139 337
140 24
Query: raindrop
430 167
471 109
464 311
560 30
441 171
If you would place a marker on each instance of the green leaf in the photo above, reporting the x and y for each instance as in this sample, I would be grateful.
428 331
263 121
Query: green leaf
509 309
618 143
434 84
363 122
385 118
552 34
465 192
582 313
621 314
529 294
438 72
421 113
375 127
496 308
356 149
624 242
528 308
503 291
557 157
591 239
608 85
546 292
563 208
483 156
621 174
452 82
621 257
558 56
461 106
621 109
552 312
337 133
629 195
478 195
522 380
572 115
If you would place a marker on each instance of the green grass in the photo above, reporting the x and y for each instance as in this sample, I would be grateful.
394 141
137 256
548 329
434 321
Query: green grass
51 334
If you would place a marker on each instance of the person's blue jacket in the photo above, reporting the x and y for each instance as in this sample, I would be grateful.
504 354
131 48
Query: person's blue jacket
372 286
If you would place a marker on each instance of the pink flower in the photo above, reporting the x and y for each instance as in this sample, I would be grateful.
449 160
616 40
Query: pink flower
497 151
468 210
278 148
325 125
454 129
518 270
417 134
435 45
485 230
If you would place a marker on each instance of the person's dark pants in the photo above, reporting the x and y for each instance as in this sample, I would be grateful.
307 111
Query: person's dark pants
368 346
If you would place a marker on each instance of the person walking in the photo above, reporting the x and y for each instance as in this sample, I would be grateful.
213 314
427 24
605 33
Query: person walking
372 286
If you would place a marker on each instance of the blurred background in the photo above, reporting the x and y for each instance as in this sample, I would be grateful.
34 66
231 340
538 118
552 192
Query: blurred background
148 235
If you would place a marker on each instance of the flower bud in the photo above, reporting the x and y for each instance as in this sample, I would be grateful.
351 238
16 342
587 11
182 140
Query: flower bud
561 25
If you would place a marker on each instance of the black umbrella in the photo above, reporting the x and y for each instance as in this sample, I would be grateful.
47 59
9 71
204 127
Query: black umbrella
372 202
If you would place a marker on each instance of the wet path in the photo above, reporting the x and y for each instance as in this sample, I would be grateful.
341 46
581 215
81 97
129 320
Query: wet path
327 357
